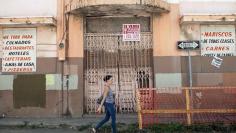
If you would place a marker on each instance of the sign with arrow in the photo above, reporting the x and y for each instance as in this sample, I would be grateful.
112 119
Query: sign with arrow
188 45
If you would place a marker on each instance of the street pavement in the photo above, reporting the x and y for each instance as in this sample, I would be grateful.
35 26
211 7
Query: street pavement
58 125
43 130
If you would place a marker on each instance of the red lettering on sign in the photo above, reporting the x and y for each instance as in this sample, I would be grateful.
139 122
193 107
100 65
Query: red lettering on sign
217 34
217 48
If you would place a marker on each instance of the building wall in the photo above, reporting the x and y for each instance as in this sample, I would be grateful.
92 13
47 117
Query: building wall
27 8
48 65
166 32
171 64
75 61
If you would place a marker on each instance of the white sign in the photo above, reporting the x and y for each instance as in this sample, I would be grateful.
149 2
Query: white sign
19 50
131 32
216 61
218 40
188 44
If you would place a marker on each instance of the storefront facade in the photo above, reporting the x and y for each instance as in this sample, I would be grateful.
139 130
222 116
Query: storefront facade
81 41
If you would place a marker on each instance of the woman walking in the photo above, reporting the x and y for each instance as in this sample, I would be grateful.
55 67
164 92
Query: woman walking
109 102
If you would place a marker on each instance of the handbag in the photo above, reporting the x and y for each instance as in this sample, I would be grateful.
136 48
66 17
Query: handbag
99 100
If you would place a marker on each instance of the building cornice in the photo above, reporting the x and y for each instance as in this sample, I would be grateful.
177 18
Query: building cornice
208 19
27 21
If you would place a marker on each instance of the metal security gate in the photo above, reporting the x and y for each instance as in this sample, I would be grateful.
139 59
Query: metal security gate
130 63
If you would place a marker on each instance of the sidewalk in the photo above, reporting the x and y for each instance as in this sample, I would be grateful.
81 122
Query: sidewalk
9 122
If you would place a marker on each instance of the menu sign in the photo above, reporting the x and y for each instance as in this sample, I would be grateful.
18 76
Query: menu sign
19 50
218 40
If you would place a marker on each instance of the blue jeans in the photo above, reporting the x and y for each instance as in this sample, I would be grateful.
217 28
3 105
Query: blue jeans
110 112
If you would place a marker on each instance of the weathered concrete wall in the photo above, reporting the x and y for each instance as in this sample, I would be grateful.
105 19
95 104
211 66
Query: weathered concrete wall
166 32
52 109
76 36
54 100
171 64
47 64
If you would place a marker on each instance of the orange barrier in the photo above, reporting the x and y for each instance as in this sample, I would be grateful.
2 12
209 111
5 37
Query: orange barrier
182 105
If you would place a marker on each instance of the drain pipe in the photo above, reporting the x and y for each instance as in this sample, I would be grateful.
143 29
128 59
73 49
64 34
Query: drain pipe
63 46
67 19
61 52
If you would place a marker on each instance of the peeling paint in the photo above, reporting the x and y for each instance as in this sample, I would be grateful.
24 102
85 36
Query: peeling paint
119 7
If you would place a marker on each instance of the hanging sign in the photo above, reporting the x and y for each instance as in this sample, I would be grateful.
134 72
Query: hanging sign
216 61
218 40
19 50
188 45
131 32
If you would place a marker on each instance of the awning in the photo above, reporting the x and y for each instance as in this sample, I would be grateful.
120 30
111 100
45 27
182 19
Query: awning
117 7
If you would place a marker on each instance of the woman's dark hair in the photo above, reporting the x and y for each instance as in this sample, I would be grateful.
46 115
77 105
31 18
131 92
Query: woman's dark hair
107 77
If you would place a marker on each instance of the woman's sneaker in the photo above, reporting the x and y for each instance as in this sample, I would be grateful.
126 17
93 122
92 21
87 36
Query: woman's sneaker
94 130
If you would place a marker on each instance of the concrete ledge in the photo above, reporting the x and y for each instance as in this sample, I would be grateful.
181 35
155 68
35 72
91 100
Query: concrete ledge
23 21
208 19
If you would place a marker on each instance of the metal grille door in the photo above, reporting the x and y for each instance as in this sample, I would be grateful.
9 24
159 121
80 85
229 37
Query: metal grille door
130 64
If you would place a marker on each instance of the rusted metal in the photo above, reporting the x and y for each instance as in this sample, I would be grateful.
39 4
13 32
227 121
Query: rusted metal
128 62
193 112
139 110
107 7
181 111
188 101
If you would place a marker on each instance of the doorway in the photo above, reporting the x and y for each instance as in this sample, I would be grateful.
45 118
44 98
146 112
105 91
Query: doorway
130 63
